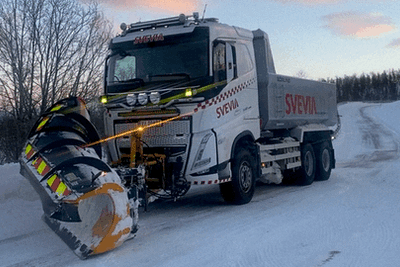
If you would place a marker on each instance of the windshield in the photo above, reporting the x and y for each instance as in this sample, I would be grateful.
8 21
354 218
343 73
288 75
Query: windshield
170 58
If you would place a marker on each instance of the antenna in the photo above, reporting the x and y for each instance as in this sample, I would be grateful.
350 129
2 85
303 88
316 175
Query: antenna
204 12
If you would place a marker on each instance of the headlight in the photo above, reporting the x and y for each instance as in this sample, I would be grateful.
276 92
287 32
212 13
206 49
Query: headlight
188 92
143 99
155 97
131 99
103 99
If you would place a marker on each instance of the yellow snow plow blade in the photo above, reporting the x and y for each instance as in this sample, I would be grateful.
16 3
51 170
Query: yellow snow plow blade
105 221
83 198
105 211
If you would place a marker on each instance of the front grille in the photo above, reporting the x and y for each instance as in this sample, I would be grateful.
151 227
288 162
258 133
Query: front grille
173 133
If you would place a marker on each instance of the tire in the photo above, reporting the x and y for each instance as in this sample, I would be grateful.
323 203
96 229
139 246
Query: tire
324 159
289 177
241 189
306 174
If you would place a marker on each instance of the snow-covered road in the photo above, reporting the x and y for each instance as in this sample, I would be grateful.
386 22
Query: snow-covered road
350 220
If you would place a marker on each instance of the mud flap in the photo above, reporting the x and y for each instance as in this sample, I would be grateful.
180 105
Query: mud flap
83 199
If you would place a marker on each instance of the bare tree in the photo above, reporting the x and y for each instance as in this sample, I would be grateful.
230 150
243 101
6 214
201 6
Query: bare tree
301 74
49 49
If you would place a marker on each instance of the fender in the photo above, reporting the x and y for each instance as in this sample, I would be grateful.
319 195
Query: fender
299 131
241 139
243 136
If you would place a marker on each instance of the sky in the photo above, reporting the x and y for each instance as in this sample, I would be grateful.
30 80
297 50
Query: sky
321 38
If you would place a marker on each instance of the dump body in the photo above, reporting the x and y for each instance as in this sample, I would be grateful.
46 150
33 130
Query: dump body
286 102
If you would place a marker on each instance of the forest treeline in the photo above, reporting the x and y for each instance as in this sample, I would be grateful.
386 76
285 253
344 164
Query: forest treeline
383 86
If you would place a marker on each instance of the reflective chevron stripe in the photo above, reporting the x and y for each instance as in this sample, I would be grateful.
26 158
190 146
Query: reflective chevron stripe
57 186
42 123
217 181
41 166
29 151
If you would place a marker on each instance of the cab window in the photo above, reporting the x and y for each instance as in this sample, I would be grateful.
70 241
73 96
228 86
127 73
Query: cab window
244 57
219 63
224 62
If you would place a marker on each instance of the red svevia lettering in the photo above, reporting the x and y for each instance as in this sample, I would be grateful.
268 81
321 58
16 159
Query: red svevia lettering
300 104
314 106
226 108
307 104
149 38
293 104
218 113
288 110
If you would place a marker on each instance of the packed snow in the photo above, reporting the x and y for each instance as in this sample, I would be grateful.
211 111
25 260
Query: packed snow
350 220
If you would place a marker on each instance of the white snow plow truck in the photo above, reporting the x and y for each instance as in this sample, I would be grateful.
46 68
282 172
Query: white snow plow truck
189 102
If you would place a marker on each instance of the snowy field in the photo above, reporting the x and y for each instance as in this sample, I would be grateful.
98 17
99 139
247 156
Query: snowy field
353 219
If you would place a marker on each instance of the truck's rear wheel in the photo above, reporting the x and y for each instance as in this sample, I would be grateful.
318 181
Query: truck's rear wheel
241 189
323 154
306 174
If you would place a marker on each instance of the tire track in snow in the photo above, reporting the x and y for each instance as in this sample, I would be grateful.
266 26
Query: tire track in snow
53 258
376 136
330 257
210 208
376 238
43 247
21 237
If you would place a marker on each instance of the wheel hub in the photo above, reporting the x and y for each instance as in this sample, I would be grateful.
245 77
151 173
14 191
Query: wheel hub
308 163
245 176
325 160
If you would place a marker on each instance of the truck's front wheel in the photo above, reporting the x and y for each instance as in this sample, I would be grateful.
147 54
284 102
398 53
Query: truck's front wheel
241 189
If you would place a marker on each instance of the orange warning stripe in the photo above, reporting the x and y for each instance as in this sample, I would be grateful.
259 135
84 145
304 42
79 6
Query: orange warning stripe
57 186
42 123
29 151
